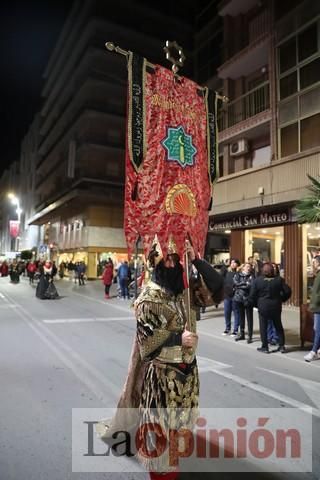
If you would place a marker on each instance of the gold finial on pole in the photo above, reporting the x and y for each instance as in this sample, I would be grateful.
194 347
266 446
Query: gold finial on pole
175 55
223 98
114 48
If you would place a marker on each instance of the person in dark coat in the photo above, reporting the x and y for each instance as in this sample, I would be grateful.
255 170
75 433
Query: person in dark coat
242 282
228 276
268 292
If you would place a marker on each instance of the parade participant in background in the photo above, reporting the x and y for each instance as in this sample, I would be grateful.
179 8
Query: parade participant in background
107 278
62 268
315 308
31 269
268 291
14 272
46 289
4 269
53 270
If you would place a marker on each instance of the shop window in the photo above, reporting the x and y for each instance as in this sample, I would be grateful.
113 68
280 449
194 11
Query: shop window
267 245
310 128
287 55
310 74
289 140
308 42
288 85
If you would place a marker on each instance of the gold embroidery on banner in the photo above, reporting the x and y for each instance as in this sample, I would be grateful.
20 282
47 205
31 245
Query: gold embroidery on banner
130 119
180 199
167 104
129 123
206 94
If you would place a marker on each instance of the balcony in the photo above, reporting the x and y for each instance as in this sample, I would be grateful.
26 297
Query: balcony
249 105
249 50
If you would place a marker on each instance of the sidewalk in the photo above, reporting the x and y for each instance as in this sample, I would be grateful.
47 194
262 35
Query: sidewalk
212 323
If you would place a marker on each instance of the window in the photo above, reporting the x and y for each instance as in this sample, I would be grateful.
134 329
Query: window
310 128
308 42
221 166
288 85
289 140
310 74
287 55
261 156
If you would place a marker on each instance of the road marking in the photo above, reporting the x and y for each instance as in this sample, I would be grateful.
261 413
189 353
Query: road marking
206 364
2 296
310 387
86 320
107 303
93 379
8 306
265 391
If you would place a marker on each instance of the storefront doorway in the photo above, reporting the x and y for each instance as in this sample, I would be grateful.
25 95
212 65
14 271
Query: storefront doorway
267 244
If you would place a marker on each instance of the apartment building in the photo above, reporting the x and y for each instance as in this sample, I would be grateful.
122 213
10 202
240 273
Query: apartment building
268 135
79 159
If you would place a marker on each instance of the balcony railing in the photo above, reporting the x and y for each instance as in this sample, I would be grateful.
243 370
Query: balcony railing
244 107
256 28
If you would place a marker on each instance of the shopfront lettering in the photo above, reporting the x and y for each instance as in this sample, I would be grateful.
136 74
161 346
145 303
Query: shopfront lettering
247 221
265 218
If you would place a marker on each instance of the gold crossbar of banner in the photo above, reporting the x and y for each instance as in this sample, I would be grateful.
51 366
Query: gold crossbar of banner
114 48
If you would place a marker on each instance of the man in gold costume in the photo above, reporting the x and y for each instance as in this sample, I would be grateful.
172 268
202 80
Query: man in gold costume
163 381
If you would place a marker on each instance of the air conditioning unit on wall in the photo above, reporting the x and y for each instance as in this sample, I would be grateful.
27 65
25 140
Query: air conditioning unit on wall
239 147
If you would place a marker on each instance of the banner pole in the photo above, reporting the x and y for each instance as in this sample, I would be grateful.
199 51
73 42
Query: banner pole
188 301
136 269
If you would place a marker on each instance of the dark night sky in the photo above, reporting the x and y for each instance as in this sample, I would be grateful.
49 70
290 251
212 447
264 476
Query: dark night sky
28 33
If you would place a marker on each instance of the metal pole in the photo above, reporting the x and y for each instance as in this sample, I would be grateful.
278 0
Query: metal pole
188 301
115 48
136 269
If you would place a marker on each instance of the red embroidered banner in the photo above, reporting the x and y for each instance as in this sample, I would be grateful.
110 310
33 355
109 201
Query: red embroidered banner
170 158
14 228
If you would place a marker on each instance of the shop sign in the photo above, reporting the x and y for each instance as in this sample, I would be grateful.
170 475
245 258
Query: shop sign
252 221
14 228
42 249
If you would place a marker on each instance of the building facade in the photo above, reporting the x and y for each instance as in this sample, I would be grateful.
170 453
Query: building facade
268 135
79 160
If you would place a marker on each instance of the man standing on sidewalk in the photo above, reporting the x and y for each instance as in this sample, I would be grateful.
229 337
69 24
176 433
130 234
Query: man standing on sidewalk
315 308
228 298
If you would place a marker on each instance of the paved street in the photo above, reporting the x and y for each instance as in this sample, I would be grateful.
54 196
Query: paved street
73 353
